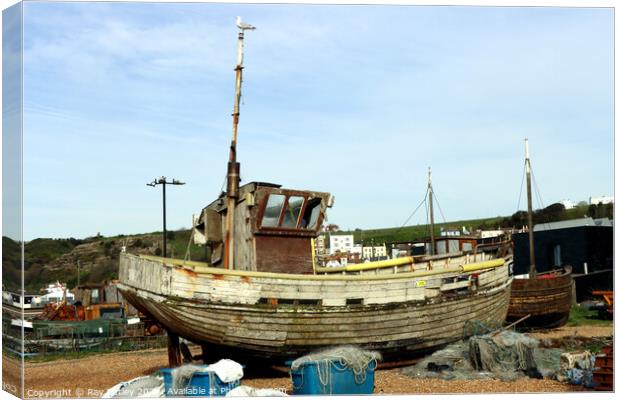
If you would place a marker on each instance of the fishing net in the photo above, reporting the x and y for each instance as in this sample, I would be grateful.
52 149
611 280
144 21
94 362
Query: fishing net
182 375
505 355
504 352
339 359
477 328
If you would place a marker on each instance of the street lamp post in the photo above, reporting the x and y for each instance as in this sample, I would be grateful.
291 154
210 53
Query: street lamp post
162 181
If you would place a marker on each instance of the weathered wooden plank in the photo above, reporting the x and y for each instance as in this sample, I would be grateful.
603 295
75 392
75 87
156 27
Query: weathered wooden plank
349 312
224 290
455 285
421 322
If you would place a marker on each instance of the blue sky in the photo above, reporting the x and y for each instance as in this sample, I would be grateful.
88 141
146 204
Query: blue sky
354 100
11 124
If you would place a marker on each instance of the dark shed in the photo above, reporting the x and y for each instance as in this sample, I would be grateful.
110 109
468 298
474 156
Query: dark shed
582 243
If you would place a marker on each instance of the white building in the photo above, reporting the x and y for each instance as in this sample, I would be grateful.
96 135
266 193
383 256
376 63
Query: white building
342 243
568 204
319 245
356 249
55 293
491 233
601 199
450 231
374 251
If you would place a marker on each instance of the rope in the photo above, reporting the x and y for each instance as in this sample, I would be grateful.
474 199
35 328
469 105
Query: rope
438 206
539 198
188 253
224 183
414 211
428 225
411 215
521 190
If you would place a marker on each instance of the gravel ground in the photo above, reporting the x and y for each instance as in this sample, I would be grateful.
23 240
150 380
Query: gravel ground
585 331
91 376
393 382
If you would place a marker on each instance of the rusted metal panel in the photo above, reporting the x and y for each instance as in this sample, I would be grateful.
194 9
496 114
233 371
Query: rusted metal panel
603 374
287 255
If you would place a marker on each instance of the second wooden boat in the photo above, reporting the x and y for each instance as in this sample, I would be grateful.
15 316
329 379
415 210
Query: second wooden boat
545 299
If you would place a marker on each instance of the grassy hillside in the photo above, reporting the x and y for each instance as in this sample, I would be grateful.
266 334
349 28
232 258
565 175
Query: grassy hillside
417 232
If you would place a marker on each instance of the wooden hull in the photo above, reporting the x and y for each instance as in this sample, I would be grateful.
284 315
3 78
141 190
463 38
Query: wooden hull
548 301
279 317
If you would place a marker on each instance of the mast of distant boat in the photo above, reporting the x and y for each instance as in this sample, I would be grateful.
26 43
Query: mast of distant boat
530 224
232 176
430 206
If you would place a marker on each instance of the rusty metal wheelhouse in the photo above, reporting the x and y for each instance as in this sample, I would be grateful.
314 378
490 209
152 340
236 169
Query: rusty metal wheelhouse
274 228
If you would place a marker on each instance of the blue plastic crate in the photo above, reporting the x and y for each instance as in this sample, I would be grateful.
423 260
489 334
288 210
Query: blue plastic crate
167 374
338 380
200 384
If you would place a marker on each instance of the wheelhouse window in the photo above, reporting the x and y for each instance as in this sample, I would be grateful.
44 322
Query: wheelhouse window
293 209
271 217
311 214
291 212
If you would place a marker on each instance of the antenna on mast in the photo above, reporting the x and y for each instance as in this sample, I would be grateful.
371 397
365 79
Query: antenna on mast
232 177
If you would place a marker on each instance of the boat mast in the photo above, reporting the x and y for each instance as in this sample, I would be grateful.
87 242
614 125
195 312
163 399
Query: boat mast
232 176
430 198
530 224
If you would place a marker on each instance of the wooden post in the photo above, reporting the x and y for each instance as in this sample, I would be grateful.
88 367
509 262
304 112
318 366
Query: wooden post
174 350
232 176
205 353
530 223
430 198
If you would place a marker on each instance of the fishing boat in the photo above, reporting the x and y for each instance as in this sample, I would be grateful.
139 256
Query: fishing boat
539 300
261 294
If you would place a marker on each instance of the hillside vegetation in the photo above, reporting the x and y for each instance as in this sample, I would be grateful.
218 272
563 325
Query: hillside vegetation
49 260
